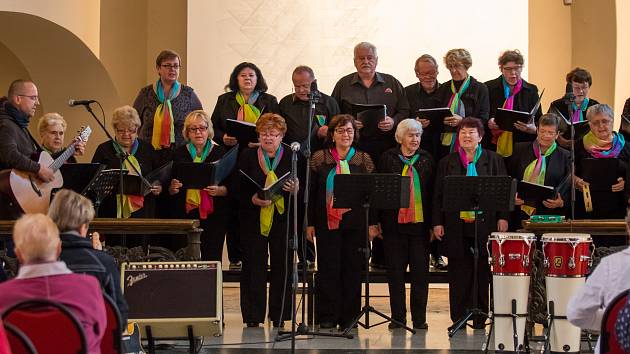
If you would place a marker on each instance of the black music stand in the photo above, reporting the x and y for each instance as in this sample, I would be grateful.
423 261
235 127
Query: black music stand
478 194
373 190
78 176
104 184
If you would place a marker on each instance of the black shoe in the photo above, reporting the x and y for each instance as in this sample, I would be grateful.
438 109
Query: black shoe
439 264
277 324
394 325
327 325
423 325
253 324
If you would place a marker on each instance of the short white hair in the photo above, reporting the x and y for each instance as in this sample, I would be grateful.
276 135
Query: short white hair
365 45
405 126
36 237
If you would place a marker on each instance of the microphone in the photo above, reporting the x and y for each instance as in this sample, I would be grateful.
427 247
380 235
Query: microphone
295 146
569 98
73 103
314 92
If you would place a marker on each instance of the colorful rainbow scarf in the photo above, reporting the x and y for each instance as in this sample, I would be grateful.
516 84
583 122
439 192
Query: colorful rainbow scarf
578 112
342 167
414 213
126 203
247 111
163 126
602 149
457 107
266 213
321 119
504 139
199 198
471 170
535 172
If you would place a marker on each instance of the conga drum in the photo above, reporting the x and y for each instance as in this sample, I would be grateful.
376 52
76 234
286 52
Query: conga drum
567 259
510 257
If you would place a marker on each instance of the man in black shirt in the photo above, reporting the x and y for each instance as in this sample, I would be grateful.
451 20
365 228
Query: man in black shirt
367 86
422 94
295 110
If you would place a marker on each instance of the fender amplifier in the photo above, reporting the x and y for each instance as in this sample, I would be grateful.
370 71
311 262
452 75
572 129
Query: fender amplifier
173 297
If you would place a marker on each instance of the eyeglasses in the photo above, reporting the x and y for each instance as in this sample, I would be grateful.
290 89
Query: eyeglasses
429 75
269 135
580 88
197 129
341 131
512 69
169 66
126 131
33 97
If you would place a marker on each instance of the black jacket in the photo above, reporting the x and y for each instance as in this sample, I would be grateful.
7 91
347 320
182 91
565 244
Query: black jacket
418 98
79 255
489 164
475 99
524 101
391 163
227 108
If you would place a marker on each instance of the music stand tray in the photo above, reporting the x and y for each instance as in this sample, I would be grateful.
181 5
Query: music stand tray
479 194
104 184
78 176
379 191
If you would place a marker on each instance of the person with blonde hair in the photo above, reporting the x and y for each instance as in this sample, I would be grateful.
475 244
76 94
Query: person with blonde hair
42 276
207 204
73 213
263 225
142 160
463 95
52 129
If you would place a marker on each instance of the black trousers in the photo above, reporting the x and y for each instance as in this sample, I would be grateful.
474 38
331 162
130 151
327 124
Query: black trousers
460 283
338 280
233 238
254 274
402 250
212 237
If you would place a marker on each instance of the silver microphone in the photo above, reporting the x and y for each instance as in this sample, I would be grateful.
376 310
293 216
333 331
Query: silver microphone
295 146
73 103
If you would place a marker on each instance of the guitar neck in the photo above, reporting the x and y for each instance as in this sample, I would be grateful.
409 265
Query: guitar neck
59 161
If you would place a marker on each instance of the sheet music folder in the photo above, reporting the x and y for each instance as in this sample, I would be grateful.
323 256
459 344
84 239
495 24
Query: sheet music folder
436 116
244 132
506 118
200 175
533 193
272 192
601 174
370 115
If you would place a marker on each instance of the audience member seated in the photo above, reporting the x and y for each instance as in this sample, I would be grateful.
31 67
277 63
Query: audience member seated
79 253
610 278
37 247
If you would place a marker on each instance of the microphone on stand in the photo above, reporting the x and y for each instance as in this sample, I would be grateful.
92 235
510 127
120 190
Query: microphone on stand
295 146
314 94
73 103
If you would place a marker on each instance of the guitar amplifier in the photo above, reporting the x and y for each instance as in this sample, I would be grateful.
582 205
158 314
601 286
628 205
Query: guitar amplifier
171 296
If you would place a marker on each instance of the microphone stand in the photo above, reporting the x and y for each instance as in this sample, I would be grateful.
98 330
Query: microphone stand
302 328
570 98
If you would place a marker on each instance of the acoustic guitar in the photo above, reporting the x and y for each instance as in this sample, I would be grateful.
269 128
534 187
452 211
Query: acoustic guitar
31 194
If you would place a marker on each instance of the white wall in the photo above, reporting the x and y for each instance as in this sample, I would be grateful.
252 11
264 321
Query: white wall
81 17
278 35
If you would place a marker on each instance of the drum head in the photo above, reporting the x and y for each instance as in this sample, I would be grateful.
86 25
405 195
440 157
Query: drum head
565 237
512 236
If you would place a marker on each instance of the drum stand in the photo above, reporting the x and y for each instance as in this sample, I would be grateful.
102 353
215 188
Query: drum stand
487 193
514 315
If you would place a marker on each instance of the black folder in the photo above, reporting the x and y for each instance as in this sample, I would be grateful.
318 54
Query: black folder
533 193
200 175
505 118
436 116
601 173
370 115
581 128
625 125
161 174
272 192
78 176
244 132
